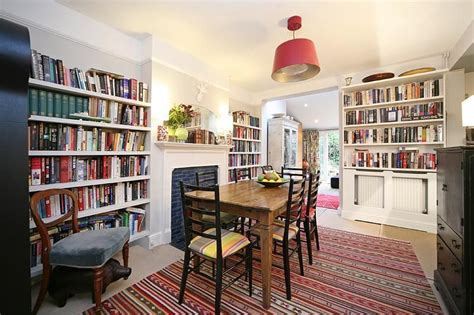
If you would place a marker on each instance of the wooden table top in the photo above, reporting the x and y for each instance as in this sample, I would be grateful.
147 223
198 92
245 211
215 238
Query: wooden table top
249 195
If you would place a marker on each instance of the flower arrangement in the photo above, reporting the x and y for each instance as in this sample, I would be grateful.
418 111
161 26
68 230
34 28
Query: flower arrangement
179 116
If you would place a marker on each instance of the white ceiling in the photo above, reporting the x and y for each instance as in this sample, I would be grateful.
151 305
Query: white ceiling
322 106
238 38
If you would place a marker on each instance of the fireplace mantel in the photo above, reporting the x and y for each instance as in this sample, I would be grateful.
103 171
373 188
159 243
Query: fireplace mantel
167 156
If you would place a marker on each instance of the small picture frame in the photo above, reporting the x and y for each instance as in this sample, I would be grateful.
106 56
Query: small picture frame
392 115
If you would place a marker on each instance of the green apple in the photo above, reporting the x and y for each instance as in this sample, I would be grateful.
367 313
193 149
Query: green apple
260 178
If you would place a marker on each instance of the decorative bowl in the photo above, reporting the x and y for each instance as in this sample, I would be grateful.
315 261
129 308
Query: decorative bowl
378 76
273 184
417 71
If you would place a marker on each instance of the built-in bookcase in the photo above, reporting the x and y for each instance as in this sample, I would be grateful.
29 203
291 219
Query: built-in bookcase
390 129
246 143
103 160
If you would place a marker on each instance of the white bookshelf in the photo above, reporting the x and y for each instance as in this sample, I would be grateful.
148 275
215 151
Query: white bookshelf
404 197
143 202
80 92
80 122
249 154
84 153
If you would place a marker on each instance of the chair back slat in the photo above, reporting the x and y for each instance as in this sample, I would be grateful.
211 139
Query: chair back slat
242 174
207 179
294 204
193 210
71 212
313 188
292 171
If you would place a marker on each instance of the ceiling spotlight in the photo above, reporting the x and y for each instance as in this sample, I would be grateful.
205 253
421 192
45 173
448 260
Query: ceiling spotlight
316 121
305 105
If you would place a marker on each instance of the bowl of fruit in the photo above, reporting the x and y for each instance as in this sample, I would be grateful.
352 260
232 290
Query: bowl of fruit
271 179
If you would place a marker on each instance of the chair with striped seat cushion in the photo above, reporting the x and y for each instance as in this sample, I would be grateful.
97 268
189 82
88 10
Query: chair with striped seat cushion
231 243
209 241
278 230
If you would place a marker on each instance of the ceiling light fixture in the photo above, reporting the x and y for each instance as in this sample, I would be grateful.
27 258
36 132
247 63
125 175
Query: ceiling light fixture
296 59
316 121
305 105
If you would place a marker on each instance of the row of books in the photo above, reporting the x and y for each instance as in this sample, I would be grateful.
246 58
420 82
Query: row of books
421 111
53 70
409 91
201 136
93 197
392 114
244 118
403 159
246 133
245 146
243 159
65 169
417 134
254 171
134 218
44 136
59 105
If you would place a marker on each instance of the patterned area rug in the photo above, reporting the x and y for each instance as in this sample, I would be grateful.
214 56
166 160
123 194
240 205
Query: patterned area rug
328 201
352 274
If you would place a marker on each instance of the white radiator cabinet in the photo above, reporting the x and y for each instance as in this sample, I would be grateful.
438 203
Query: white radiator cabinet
389 197
283 143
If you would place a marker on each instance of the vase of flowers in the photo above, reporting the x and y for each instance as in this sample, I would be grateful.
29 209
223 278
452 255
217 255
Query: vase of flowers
179 116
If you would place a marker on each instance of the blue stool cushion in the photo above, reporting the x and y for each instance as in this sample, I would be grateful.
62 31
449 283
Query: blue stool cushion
89 249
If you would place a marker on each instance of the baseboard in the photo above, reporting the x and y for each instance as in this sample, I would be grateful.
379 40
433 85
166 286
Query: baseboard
370 217
159 238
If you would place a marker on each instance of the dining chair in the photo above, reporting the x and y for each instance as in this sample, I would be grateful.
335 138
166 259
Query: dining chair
239 175
207 240
287 230
207 179
267 168
310 224
86 250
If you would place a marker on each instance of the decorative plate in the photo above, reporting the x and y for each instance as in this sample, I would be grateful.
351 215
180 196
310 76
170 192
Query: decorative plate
417 71
273 184
378 76
278 115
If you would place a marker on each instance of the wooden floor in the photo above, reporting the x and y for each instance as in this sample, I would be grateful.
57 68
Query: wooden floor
146 262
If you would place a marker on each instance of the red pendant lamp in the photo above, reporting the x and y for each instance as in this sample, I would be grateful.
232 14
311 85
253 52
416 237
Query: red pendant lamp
296 59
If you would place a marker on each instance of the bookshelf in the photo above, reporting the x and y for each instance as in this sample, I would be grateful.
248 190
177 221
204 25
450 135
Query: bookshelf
128 140
246 143
390 129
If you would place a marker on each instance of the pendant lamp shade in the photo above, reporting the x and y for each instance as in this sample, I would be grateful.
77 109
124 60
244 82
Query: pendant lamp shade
296 59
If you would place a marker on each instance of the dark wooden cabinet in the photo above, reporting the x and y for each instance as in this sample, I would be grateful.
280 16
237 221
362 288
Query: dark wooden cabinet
454 277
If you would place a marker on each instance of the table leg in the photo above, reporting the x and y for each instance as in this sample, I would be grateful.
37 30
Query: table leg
266 241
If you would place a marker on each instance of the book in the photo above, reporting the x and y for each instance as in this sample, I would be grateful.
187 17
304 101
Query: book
50 104
43 101
57 112
72 105
35 171
65 106
33 101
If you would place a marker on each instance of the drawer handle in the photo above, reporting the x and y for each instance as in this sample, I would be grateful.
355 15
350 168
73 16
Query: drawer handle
456 292
445 187
441 267
455 244
440 226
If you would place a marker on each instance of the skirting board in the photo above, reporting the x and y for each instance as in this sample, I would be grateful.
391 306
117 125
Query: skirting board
159 238
370 217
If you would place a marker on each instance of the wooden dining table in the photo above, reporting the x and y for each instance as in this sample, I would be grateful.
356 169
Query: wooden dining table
250 199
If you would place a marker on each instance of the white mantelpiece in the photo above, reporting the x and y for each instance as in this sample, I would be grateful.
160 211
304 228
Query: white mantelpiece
167 156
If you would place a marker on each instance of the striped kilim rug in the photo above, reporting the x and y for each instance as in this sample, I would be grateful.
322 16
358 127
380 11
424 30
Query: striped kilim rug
352 273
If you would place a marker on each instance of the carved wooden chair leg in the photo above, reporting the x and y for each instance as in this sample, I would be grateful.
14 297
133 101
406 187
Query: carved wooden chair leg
98 281
125 256
44 285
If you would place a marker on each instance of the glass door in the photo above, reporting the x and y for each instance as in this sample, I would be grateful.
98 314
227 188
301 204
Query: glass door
286 146
329 154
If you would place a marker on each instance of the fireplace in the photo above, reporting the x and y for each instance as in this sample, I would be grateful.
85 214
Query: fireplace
187 175
171 163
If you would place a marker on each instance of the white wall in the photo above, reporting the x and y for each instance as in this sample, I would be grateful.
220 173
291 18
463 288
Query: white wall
454 87
269 108
469 83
